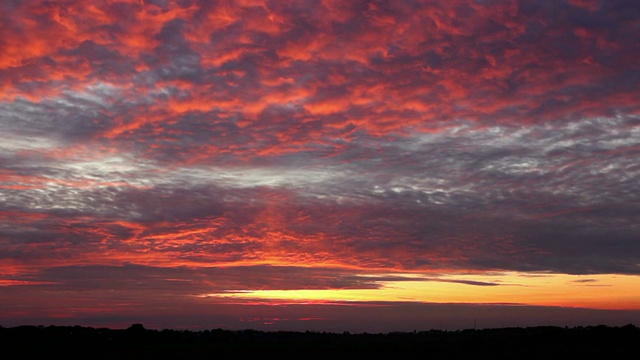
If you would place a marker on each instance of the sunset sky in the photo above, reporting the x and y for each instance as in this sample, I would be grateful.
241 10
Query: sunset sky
320 164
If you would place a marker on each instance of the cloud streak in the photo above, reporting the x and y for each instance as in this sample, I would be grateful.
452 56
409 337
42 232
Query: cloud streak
320 138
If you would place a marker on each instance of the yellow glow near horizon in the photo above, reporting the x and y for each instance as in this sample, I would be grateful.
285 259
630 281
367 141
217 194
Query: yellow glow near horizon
588 291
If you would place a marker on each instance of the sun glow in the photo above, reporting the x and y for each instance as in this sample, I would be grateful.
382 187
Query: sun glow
543 289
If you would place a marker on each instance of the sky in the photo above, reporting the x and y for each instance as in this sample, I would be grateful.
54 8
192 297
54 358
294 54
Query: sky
320 164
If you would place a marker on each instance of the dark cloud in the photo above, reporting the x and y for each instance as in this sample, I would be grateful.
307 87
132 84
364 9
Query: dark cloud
416 136
185 281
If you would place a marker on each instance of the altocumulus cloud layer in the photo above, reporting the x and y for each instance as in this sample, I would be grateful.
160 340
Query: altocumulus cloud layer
218 146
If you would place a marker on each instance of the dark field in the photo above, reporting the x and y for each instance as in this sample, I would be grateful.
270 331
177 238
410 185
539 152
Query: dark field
63 342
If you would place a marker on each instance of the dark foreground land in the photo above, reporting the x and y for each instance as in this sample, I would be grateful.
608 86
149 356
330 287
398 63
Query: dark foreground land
63 342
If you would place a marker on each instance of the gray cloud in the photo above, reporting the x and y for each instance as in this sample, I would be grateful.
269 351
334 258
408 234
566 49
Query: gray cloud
195 138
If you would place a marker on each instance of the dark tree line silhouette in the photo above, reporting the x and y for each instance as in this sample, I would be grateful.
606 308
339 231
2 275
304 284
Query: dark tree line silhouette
136 342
